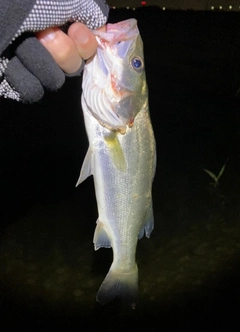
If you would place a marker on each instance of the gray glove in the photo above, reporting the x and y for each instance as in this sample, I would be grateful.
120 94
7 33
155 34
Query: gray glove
31 69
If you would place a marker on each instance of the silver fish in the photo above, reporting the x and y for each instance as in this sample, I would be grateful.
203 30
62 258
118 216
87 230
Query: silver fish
121 155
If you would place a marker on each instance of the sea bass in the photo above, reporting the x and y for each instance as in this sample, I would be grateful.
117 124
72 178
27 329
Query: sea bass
121 155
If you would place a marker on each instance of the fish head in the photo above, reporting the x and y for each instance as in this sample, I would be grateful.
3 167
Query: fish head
120 74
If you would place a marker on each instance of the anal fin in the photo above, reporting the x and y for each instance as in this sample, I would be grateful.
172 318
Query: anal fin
101 238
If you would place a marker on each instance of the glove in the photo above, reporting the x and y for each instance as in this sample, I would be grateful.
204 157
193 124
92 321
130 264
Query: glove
31 69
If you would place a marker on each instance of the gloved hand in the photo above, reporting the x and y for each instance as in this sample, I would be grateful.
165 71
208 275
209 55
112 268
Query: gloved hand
32 69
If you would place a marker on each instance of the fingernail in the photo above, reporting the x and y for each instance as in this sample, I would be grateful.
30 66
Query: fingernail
48 34
81 36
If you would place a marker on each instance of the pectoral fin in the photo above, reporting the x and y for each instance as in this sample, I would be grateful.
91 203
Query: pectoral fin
115 151
86 169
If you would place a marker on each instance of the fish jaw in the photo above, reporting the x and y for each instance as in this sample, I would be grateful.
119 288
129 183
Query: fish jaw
121 31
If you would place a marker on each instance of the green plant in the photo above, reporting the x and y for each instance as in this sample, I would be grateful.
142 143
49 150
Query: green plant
216 177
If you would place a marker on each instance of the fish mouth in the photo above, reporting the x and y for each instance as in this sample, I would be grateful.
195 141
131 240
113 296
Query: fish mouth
113 33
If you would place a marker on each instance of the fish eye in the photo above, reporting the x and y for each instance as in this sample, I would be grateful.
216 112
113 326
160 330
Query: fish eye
137 63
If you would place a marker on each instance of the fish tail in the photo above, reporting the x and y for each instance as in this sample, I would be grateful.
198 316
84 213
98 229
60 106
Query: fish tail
119 284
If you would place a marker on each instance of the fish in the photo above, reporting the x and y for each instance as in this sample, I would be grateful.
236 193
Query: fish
121 154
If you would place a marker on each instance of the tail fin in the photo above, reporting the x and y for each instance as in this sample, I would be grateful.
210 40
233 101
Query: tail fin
122 285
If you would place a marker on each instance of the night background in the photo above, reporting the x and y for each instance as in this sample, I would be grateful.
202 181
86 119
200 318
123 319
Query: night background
189 268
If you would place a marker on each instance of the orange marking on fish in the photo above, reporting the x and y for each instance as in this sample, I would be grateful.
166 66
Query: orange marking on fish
130 122
115 86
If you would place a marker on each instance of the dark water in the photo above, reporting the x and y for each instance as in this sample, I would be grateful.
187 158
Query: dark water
189 269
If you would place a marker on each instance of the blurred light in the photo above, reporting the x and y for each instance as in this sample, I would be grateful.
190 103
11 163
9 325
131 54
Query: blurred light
163 8
143 3
212 7
127 7
230 7
220 7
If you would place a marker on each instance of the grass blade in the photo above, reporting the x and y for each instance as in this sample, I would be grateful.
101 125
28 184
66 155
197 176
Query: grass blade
222 169
211 174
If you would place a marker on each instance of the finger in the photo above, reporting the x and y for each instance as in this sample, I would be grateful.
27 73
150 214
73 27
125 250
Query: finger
62 48
38 61
84 39
28 88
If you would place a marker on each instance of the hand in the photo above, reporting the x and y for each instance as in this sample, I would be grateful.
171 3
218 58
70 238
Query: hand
32 69
70 50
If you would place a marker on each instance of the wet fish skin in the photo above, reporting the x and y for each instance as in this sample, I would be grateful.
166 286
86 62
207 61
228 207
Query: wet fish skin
121 155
